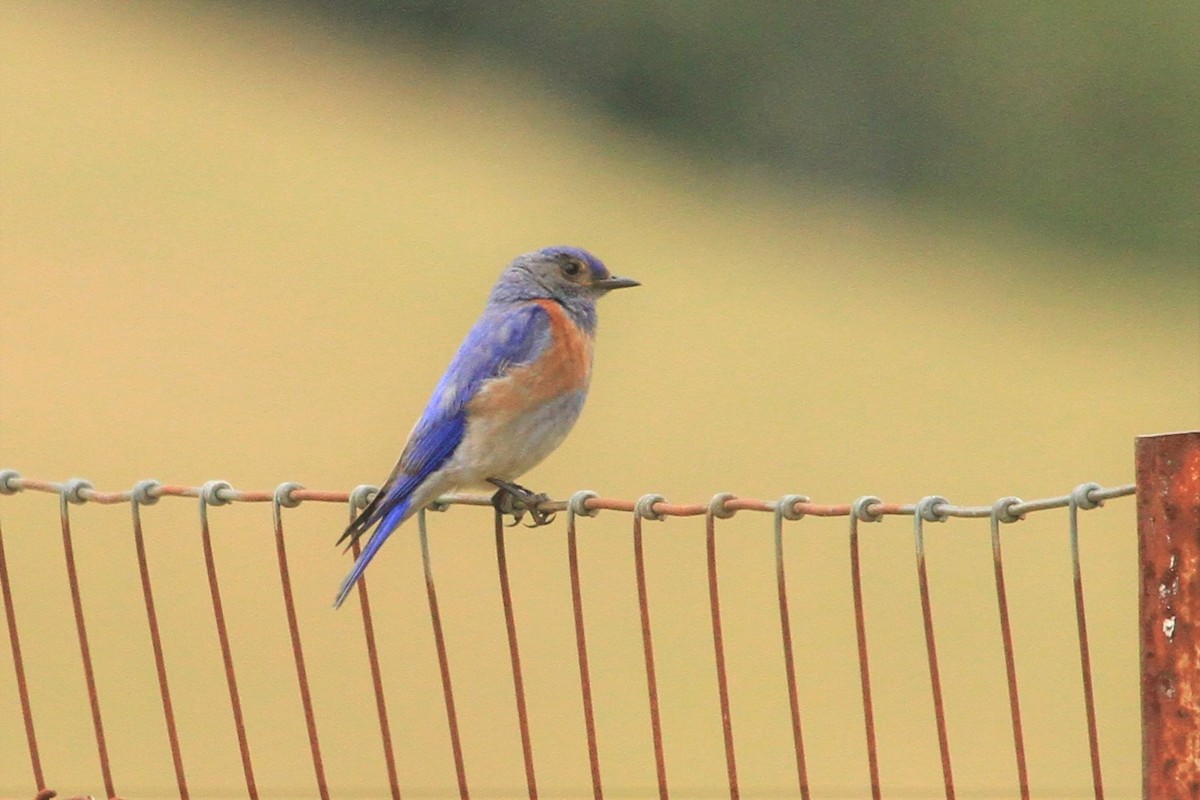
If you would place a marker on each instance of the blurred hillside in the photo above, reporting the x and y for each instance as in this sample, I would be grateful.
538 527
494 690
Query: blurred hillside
235 245
1077 120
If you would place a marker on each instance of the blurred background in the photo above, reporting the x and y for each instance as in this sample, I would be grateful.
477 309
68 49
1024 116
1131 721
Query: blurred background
927 248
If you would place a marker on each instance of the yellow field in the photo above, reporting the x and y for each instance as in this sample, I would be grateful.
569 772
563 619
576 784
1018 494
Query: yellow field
233 248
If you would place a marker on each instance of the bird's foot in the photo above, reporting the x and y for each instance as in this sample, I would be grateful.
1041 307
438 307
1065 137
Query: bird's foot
510 498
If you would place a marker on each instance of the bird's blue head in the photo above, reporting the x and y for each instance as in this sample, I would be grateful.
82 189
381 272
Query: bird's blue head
569 275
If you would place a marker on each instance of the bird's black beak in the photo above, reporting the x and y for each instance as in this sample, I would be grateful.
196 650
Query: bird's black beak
614 283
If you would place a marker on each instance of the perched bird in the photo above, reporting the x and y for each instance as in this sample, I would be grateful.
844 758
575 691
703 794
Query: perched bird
507 400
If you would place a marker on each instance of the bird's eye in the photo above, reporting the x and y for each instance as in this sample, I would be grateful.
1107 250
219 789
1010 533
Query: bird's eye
571 268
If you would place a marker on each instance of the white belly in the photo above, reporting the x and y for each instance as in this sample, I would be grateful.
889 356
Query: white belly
508 448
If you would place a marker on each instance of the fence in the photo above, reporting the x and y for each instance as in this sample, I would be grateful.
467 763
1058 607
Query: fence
1168 501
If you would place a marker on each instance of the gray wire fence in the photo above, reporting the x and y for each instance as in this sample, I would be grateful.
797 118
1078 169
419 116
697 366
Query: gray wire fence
778 514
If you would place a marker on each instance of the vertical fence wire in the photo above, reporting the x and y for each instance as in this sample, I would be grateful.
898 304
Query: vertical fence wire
515 656
141 496
785 509
1085 659
999 514
358 499
70 493
860 512
439 641
14 640
639 566
925 512
210 495
710 525
585 680
282 499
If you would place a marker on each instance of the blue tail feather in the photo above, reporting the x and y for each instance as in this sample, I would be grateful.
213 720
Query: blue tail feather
389 523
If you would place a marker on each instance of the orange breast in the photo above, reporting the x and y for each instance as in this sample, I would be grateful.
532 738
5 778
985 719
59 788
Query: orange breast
564 367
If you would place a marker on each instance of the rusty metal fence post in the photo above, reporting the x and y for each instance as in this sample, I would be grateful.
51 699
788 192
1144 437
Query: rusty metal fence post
1168 511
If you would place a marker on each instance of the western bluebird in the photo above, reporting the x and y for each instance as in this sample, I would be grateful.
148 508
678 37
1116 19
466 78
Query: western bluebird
509 397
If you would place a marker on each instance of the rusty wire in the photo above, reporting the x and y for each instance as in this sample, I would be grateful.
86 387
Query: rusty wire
283 499
209 495
139 498
1082 498
358 500
858 512
584 503
10 614
639 564
925 512
1000 514
585 680
510 625
70 493
716 508
785 626
439 640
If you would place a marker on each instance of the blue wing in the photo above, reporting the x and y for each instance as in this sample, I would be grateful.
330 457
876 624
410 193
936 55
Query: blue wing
501 339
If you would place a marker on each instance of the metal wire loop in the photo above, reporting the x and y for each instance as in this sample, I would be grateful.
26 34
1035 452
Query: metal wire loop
75 489
1082 495
578 503
927 508
1002 509
361 495
644 507
860 509
716 506
210 493
786 507
145 492
283 494
8 481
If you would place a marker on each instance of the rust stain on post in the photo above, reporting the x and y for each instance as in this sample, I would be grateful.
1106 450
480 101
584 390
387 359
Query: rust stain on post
1168 504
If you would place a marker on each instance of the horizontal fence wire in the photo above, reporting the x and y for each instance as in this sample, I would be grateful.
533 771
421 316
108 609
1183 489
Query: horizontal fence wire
585 503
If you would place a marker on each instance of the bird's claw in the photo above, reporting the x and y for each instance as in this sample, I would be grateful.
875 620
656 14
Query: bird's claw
537 516
518 501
